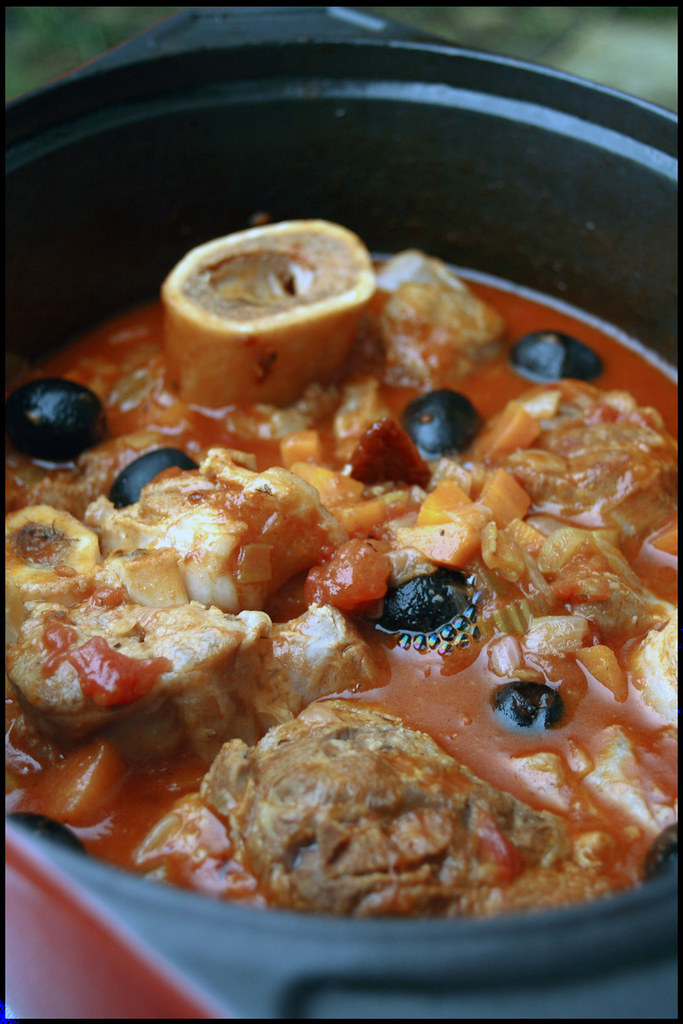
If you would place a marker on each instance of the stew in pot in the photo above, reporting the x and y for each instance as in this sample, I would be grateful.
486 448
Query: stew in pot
346 587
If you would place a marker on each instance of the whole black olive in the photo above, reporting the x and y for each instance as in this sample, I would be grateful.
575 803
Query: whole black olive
54 419
549 355
425 602
41 825
126 488
662 857
441 422
525 705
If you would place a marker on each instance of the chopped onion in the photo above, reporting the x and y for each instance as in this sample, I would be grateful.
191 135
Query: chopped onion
505 655
254 563
556 634
559 548
542 405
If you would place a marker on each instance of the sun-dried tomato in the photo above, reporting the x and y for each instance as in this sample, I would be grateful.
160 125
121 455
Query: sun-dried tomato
386 452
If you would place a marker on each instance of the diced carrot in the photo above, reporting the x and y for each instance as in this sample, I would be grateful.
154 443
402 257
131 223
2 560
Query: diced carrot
512 429
301 446
506 499
446 497
601 662
334 488
450 544
667 539
526 535
359 518
82 783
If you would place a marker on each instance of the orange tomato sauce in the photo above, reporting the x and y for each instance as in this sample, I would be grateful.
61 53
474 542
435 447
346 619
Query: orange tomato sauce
448 697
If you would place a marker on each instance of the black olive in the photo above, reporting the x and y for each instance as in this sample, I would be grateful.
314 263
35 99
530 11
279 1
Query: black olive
441 422
662 857
126 488
425 602
54 419
549 355
41 825
526 705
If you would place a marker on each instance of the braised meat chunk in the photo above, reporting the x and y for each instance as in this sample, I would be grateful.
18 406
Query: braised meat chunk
239 534
598 454
158 680
72 487
434 329
346 810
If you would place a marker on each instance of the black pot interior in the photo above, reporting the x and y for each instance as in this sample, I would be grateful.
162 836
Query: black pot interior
116 172
183 135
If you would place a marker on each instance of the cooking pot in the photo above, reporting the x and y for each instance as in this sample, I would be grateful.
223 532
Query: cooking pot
184 134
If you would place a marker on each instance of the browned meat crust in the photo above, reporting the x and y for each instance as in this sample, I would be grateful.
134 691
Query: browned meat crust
346 810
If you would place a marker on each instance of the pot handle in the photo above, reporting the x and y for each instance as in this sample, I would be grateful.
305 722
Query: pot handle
201 29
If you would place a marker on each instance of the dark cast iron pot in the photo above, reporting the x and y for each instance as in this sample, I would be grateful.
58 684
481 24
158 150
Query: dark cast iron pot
179 136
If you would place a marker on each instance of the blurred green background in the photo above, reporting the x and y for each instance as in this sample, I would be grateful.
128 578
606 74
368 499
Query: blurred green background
634 49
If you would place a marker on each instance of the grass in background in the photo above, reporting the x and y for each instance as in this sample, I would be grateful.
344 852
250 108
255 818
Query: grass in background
42 43
630 48
633 49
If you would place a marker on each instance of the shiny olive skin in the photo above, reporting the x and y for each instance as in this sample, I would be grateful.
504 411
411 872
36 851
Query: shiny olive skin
48 828
126 488
526 705
441 422
662 857
425 602
550 356
54 419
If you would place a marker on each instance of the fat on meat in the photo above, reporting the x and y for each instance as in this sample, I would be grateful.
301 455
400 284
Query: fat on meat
616 779
346 810
653 670
226 676
239 534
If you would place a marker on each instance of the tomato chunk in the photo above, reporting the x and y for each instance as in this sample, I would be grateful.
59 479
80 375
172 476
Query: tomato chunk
497 848
353 579
58 636
109 677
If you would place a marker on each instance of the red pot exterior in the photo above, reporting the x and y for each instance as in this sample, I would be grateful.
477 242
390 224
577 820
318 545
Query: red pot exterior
68 958
181 135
